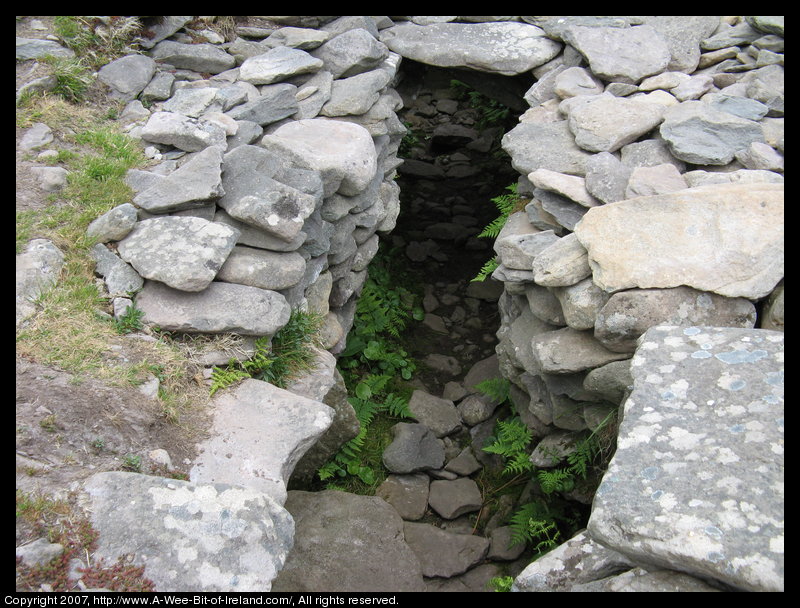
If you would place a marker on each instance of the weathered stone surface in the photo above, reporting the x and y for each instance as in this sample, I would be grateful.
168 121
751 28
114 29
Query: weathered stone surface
355 95
39 552
113 225
186 133
699 134
183 252
575 81
682 35
37 136
276 102
605 123
408 494
120 278
568 186
298 38
343 153
725 238
34 48
580 303
465 463
544 304
610 381
566 351
191 185
442 553
220 308
658 179
347 543
262 268
773 311
548 145
277 64
628 314
620 54
351 52
647 581
504 48
501 548
563 263
253 236
37 270
450 499
269 429
606 177
198 57
190 537
577 561
439 415
414 448
127 76
696 483
554 448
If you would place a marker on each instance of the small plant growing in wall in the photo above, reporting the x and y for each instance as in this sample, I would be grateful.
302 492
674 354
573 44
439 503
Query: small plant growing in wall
506 204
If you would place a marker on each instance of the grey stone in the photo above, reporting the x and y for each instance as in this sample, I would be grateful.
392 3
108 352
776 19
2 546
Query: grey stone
439 415
252 236
312 94
717 421
579 560
51 179
298 38
184 252
740 176
39 552
193 102
770 25
743 107
164 28
343 153
683 35
33 48
465 463
697 85
691 237
189 134
37 270
575 81
565 212
37 136
699 134
606 177
649 581
270 428
766 85
261 268
505 48
220 308
628 314
414 448
120 278
620 54
568 186
534 145
277 101
350 53
347 543
203 58
761 157
561 264
605 123
127 76
190 537
610 381
730 35
566 351
554 448
519 242
773 312
649 153
355 94
544 305
408 494
441 363
451 499
658 179
159 88
501 547
444 554
474 409
276 65
580 303
190 186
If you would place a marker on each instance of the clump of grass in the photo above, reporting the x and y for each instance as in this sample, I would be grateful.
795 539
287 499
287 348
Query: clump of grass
73 77
98 40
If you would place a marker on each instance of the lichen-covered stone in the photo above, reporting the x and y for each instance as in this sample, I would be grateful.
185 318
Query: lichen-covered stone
696 483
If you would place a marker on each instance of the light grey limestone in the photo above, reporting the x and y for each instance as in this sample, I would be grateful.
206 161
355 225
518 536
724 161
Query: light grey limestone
696 483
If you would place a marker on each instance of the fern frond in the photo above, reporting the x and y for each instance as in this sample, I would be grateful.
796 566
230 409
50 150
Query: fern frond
397 406
497 389
555 480
518 463
223 378
487 269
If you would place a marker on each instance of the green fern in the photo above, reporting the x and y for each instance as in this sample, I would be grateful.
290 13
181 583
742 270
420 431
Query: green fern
497 389
506 204
223 378
486 270
555 480
511 442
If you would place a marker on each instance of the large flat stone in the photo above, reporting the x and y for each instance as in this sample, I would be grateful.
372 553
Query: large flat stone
504 48
724 238
350 543
190 537
258 434
696 483
183 252
220 308
443 553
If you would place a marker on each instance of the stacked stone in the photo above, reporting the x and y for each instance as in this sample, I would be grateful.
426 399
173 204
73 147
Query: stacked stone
652 154
277 153
655 198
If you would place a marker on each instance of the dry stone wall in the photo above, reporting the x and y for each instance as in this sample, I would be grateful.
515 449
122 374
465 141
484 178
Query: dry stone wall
644 275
